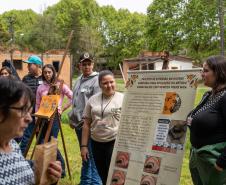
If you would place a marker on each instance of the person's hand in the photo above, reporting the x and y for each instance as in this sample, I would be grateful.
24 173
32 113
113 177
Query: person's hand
60 112
84 153
55 170
218 168
71 125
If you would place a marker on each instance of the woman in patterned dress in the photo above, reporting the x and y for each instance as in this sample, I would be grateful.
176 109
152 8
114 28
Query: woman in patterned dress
16 101
208 127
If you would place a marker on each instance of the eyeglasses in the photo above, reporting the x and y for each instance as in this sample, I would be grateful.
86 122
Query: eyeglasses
24 110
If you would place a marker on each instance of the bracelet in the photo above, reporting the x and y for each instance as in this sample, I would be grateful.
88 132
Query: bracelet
84 146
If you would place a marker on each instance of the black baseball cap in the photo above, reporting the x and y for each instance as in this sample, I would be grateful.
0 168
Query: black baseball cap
85 56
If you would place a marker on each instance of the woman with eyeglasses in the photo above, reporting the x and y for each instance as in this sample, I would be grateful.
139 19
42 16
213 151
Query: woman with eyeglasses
207 124
101 121
16 101
52 86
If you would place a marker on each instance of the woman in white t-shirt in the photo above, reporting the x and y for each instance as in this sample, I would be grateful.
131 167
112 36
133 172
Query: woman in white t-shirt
101 122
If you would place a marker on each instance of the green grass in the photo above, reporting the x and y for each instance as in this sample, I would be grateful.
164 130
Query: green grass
74 152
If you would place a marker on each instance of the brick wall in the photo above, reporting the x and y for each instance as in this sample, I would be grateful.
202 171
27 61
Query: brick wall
47 59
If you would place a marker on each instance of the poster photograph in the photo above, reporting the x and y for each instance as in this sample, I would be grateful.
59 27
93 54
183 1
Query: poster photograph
151 139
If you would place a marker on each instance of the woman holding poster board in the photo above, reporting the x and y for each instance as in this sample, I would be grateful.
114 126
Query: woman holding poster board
101 120
50 83
16 102
208 127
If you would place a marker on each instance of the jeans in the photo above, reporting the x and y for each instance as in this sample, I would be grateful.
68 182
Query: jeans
89 174
27 135
54 132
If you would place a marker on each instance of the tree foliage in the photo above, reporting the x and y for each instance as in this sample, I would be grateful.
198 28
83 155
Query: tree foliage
190 27
123 34
184 25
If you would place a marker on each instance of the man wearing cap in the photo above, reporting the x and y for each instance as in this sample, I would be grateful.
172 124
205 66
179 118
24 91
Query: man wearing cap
33 79
85 86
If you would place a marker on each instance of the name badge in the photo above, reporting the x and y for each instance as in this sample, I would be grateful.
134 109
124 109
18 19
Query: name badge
83 90
102 124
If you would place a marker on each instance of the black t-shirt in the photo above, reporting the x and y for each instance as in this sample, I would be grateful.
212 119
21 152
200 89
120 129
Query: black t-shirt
33 82
208 127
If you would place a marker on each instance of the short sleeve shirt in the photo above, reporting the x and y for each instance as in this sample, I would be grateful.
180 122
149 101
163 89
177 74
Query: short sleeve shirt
105 115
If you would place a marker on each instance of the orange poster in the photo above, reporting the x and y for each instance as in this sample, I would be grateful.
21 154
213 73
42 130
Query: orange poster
48 106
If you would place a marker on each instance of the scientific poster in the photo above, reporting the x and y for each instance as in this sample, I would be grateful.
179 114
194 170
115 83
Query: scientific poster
150 144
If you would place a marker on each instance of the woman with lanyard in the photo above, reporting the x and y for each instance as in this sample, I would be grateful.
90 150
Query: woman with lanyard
208 127
101 120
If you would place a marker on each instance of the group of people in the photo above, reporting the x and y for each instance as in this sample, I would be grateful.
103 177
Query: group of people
95 115
96 108
22 99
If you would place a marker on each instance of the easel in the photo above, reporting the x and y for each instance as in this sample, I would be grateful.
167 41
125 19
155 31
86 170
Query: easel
49 111
49 107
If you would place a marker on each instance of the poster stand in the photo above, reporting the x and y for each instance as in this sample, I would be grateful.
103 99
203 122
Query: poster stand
47 111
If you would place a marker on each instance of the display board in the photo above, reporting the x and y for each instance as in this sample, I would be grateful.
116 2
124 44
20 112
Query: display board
150 144
48 105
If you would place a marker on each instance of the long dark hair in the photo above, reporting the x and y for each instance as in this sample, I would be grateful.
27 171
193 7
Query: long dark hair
7 69
218 65
53 79
11 91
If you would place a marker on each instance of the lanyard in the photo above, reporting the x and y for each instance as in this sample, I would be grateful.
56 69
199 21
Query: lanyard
102 102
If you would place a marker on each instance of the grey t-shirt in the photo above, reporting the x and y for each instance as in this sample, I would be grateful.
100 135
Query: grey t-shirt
105 116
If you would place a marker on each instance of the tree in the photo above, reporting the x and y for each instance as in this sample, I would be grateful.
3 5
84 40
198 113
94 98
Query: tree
43 35
4 35
123 34
201 28
164 25
190 25
21 23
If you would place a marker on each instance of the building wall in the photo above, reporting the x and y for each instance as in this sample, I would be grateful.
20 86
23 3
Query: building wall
174 65
47 59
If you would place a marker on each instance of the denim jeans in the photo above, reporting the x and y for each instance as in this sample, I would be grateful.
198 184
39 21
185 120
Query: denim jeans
89 174
54 132
27 135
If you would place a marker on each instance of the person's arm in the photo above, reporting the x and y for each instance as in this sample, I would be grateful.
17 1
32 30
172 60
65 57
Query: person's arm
85 139
38 99
87 117
69 94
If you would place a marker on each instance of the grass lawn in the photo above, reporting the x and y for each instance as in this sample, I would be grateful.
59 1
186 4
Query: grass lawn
74 153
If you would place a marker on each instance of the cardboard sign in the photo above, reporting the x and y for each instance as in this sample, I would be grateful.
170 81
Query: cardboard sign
44 154
48 106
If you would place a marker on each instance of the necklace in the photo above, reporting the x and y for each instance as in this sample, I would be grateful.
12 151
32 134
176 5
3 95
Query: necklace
102 102
208 101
